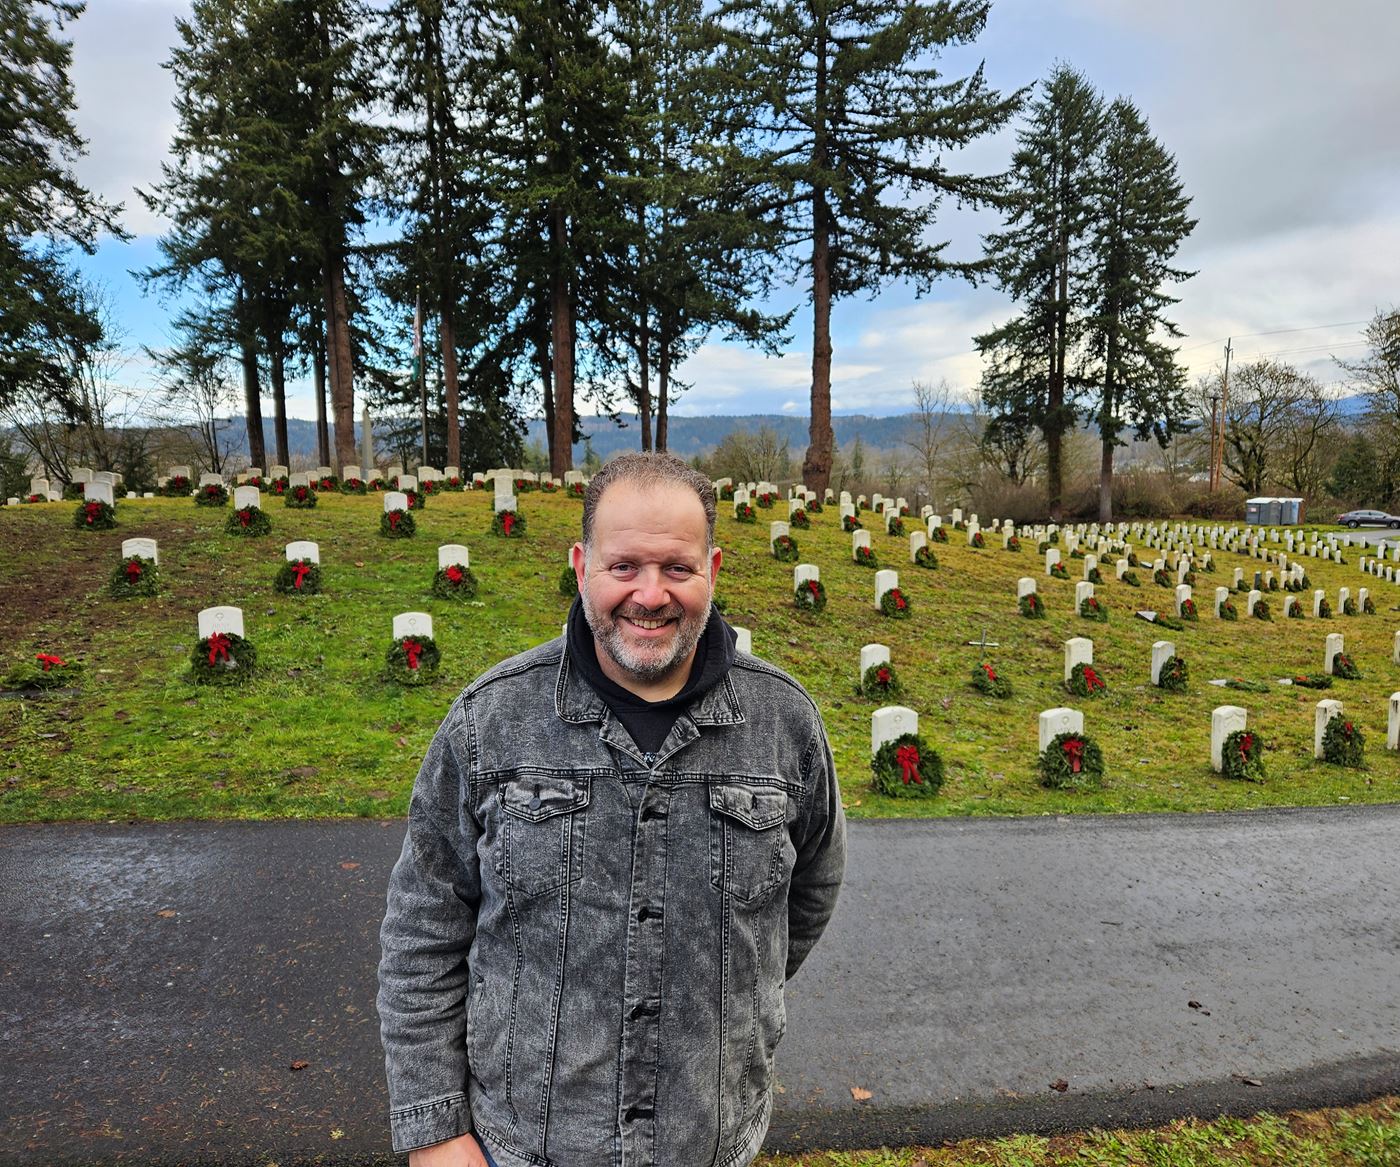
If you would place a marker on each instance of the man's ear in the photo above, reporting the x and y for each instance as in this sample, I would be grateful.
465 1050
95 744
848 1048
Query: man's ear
715 556
578 558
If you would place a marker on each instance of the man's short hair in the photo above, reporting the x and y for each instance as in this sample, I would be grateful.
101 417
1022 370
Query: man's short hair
648 470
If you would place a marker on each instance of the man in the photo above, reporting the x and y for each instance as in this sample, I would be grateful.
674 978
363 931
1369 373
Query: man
620 845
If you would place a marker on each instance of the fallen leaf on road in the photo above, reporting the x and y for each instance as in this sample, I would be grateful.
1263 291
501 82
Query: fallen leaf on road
298 1065
1246 1081
348 866
166 913
1204 1012
337 1133
1059 1084
359 563
860 1095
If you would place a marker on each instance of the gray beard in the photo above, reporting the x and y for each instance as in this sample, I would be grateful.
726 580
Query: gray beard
609 638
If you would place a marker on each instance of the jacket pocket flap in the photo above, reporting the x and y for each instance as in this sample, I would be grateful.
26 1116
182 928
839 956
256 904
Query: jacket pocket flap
541 796
759 807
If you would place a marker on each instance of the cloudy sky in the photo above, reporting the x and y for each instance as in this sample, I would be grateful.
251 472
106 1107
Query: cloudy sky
1282 115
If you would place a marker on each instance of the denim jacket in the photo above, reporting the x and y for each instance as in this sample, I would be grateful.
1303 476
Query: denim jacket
585 946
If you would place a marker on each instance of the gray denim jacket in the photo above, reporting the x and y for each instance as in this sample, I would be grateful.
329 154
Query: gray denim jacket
585 946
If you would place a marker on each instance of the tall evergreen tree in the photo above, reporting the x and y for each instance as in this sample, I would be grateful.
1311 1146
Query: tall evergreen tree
850 122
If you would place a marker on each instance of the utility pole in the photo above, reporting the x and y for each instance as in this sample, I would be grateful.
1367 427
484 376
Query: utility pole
1224 397
1214 437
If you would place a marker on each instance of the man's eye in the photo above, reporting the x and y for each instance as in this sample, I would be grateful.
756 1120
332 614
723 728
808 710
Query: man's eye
680 570
622 569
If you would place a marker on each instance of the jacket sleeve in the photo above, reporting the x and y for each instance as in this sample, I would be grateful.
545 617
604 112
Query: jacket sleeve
821 854
428 929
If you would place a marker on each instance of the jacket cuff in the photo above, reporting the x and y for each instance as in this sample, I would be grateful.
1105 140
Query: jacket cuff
430 1122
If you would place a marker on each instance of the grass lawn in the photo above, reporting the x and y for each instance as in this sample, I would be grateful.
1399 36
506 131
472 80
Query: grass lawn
321 732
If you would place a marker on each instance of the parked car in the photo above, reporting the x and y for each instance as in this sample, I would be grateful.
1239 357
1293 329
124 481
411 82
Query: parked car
1354 519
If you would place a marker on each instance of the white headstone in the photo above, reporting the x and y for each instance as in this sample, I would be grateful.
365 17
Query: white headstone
1237 578
889 723
1121 568
39 486
917 539
846 511
1395 650
351 471
1222 596
795 505
303 549
408 482
246 496
225 619
845 499
1161 651
145 548
1224 720
395 500
1090 563
1392 725
1253 598
1325 711
1025 586
1330 651
1052 557
1183 593
110 478
98 492
1079 650
743 639
412 624
873 654
82 474
859 539
1290 605
450 553
1083 590
300 478
803 572
885 580
777 530
1054 722
504 502
957 514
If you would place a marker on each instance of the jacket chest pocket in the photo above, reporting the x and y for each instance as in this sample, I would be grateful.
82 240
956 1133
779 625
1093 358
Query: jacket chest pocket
747 837
542 832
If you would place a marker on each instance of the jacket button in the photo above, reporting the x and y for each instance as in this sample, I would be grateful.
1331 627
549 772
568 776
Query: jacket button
633 1113
535 803
646 914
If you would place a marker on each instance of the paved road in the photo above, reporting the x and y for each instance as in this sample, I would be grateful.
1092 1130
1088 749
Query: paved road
158 982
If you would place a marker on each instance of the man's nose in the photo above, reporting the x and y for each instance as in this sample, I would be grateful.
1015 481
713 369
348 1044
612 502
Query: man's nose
652 590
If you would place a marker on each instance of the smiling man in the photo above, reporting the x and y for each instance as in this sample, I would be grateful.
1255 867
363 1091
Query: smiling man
620 846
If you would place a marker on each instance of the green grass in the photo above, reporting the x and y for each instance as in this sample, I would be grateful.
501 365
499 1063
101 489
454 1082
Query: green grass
320 732
1361 1136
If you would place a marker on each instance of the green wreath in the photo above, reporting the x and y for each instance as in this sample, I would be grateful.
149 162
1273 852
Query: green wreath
300 498
1085 682
814 507
1294 611
1186 610
1242 757
73 491
1345 668
1251 686
959 525
725 492
907 768
1173 675
417 500
1072 761
810 595
1324 609
745 514
508 524
865 557
397 524
799 520
1228 611
134 576
1272 585
1304 582
1130 578
568 582
978 542
578 490
1312 680
1349 607
223 659
766 499
925 558
1094 575
785 549
353 486
986 679
1012 544
938 535
1167 621
176 487
1091 609
880 682
1369 607
413 660
524 486
1343 743
1244 587
1059 571
1133 560
1053 538
326 482
455 582
1032 606
1189 579
48 671
1162 578
894 604
1076 554
1261 610
298 577
95 515
454 484
850 523
213 494
895 526
249 521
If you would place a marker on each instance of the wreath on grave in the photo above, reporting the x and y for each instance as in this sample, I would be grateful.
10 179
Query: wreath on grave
353 486
375 484
1228 611
924 557
1261 610
894 526
1343 744
326 482
279 485
1091 609
1312 681
1343 666
508 524
454 483
568 582
938 535
213 494
249 521
35 498
549 486
1058 570
1130 578
413 660
300 498
1133 560
866 557
1250 686
1242 757
810 595
72 492
1012 544
1369 607
850 523
1032 606
745 514
455 582
1085 682
1244 586
1187 611
49 671
814 507
985 679
523 486
1293 610
1173 675
416 499
1348 607
907 768
134 576
397 524
1304 582
1324 609
223 658
1273 585
1072 761
1189 578
1094 575
725 492
1076 554
977 542
95 515
1053 537
959 525
799 520
880 682
176 486
1165 621
785 549
766 499
299 577
1161 578
894 604
254 480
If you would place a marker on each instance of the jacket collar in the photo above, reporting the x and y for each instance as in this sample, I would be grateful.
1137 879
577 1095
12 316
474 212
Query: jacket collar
575 700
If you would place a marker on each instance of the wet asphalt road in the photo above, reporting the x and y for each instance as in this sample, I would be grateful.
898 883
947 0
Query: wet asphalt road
157 983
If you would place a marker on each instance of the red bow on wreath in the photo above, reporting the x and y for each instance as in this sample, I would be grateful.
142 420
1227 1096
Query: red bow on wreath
133 570
883 676
454 573
413 650
1092 680
218 647
300 571
1246 744
899 601
394 517
92 510
908 759
245 516
48 660
1074 751
507 522
812 587
991 676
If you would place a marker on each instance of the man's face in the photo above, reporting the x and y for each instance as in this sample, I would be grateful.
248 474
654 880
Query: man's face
646 583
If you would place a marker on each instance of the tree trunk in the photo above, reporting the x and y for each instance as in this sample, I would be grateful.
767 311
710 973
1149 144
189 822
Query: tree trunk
562 353
663 393
277 371
448 342
252 404
816 465
339 359
547 389
1106 481
1055 394
644 381
318 375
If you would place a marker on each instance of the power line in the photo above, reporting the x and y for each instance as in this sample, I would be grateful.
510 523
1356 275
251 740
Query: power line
1276 332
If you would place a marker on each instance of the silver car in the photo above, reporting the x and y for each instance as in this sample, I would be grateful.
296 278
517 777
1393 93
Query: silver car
1354 519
